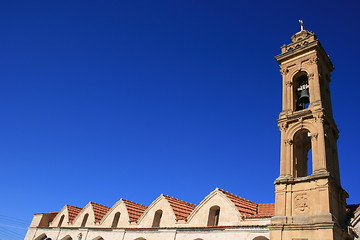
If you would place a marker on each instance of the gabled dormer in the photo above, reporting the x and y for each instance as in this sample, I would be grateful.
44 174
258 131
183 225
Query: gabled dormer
66 216
90 215
165 211
122 214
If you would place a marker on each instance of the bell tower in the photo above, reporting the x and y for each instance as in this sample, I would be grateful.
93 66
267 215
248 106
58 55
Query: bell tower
310 203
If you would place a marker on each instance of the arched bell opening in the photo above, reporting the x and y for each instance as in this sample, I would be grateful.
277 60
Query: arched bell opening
301 91
302 154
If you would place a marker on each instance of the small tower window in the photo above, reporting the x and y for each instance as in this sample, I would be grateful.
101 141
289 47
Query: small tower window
83 223
61 220
302 94
157 218
116 220
214 215
302 150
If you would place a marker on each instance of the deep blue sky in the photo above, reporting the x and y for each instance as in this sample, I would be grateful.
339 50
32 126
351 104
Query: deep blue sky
102 100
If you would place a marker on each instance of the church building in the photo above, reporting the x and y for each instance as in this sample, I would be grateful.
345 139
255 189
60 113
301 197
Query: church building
310 203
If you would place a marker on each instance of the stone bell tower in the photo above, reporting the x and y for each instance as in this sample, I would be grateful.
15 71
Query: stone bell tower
310 202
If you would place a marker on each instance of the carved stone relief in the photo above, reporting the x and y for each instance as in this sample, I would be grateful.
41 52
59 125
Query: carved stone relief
301 203
319 117
310 76
283 126
284 71
313 136
314 60
289 141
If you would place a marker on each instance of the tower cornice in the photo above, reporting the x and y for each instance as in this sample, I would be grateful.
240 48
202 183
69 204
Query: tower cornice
303 42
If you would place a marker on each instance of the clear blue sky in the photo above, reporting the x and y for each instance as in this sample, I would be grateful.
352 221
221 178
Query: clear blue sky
102 100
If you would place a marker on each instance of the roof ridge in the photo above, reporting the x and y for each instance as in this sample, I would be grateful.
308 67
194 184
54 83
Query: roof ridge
227 192
126 200
244 206
188 203
68 205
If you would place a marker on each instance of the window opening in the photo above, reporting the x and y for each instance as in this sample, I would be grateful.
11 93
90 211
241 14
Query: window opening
61 220
157 218
302 93
116 220
84 220
302 154
214 215
309 162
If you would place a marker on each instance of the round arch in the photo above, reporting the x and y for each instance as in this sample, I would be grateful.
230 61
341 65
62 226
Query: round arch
41 237
260 238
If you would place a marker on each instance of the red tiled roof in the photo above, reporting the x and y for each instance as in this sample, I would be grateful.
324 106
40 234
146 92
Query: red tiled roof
134 209
99 211
73 212
265 210
181 208
251 209
245 207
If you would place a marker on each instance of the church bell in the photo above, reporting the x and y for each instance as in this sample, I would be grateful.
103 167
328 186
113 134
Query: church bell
304 96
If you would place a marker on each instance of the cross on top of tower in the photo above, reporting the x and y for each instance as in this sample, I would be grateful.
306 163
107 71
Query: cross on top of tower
302 28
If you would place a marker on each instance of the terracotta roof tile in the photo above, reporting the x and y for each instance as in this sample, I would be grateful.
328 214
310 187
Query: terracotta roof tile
245 207
73 212
265 210
181 208
99 211
135 210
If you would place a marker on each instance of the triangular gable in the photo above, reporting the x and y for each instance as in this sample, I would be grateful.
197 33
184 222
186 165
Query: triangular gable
96 211
69 212
131 210
208 198
143 215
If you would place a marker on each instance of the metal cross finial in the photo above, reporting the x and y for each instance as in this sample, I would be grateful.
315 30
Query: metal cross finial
301 25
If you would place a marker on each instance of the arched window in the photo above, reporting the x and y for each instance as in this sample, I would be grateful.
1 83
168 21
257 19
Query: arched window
302 154
42 237
61 220
157 218
301 91
83 223
214 215
116 220
261 238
